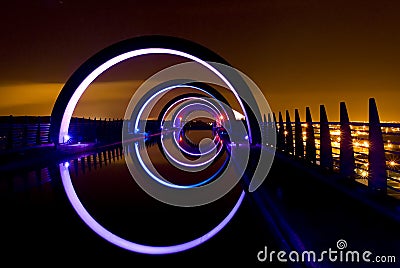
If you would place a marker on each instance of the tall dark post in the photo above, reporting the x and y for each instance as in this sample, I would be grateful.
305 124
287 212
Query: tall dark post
325 140
276 127
376 154
346 144
310 138
289 134
298 135
271 131
281 134
264 129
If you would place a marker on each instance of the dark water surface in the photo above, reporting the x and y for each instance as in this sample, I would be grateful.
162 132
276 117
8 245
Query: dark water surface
39 225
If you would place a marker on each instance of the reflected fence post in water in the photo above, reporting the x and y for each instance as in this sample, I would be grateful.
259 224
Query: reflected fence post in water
367 152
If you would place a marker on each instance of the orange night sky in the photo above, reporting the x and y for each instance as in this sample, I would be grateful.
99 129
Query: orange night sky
300 53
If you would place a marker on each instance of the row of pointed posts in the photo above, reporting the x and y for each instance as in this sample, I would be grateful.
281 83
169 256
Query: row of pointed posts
95 130
24 133
18 133
377 174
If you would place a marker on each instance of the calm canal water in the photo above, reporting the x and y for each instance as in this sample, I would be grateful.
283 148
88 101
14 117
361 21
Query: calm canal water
38 221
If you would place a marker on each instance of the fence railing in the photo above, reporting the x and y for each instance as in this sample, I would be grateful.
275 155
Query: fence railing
24 132
368 152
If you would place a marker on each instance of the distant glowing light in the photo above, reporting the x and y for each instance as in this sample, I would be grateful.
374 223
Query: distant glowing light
366 144
335 132
285 132
364 173
392 163
66 164
246 137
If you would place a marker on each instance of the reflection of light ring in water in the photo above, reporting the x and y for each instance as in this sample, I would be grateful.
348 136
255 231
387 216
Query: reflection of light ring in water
172 185
126 244
219 149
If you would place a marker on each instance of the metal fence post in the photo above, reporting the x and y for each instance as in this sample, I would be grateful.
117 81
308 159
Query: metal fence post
347 162
310 138
376 151
281 134
289 134
271 131
298 135
325 148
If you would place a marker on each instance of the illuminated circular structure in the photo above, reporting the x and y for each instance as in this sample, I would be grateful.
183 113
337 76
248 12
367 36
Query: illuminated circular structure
84 76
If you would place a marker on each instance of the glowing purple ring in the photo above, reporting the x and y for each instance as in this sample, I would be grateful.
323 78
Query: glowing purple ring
191 104
162 181
176 142
161 91
175 136
190 165
190 153
164 115
127 55
66 178
128 245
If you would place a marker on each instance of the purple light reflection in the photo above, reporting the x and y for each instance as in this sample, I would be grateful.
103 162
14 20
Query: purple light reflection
126 244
